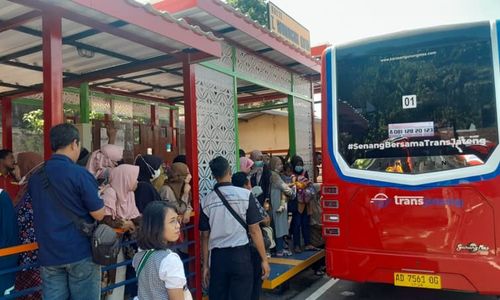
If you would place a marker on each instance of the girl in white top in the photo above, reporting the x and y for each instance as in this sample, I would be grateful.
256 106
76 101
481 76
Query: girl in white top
160 271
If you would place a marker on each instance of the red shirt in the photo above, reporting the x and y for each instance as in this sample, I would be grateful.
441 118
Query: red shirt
8 183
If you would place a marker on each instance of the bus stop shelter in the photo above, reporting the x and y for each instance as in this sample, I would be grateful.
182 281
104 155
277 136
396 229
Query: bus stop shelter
47 45
211 62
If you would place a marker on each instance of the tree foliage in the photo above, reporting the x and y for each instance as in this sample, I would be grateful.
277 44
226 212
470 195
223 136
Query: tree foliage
256 9
33 120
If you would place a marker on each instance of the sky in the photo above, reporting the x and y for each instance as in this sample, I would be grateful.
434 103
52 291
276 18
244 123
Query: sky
340 21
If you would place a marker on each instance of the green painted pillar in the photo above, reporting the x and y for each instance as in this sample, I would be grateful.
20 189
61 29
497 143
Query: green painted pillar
84 103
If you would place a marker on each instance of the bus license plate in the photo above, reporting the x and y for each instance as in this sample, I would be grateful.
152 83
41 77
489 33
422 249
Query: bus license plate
428 281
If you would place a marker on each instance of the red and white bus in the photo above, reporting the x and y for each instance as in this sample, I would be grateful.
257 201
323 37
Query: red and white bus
411 192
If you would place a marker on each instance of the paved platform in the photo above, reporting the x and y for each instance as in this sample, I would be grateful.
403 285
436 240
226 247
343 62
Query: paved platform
284 268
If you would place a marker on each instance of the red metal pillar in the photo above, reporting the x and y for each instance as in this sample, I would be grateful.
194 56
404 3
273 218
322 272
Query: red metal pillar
52 76
174 130
171 118
192 161
6 123
154 116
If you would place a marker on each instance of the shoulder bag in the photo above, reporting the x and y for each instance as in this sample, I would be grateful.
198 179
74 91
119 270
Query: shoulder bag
267 240
105 243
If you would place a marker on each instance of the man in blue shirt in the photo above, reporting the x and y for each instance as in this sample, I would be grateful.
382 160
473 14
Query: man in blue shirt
65 254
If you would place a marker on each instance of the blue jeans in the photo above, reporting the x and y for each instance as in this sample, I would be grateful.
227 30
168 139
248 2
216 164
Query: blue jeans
301 223
280 244
80 280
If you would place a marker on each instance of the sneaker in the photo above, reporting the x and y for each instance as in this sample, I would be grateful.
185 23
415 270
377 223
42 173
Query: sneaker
268 255
283 253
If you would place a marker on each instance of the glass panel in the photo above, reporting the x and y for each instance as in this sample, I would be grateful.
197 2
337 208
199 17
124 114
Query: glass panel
27 127
419 103
137 135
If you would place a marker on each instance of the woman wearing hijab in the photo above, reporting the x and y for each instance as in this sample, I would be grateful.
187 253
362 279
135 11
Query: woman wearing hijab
300 211
280 217
149 170
119 197
246 165
102 161
178 190
28 163
260 176
121 212
9 236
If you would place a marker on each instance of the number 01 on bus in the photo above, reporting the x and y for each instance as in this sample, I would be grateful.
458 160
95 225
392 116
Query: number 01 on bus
417 280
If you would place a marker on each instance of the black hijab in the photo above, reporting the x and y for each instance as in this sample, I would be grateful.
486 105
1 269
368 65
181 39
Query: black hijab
148 164
146 192
294 161
264 183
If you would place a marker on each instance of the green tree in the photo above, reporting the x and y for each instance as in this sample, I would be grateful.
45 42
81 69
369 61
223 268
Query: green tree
33 120
256 9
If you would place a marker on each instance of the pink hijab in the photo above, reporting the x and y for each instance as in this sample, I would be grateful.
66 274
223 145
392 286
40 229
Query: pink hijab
118 196
245 164
104 158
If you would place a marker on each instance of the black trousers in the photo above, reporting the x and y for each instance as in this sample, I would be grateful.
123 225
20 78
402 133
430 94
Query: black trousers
257 274
231 274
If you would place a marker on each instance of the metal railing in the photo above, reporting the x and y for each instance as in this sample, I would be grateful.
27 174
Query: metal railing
190 260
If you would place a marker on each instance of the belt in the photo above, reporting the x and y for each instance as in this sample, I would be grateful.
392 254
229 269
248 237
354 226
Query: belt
232 248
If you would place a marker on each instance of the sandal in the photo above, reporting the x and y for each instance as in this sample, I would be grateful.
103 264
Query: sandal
311 248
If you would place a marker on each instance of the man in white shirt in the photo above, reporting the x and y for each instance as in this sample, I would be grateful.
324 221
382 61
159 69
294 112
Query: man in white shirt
230 271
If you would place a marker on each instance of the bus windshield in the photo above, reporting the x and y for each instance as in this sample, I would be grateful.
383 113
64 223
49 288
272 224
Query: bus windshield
418 104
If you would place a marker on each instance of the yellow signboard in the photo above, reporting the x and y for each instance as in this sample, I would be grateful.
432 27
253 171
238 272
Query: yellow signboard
288 28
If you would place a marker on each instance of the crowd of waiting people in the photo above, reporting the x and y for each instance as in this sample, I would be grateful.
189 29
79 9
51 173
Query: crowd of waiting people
148 201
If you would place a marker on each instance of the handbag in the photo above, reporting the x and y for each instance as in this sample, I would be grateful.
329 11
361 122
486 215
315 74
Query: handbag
105 243
267 233
142 263
265 237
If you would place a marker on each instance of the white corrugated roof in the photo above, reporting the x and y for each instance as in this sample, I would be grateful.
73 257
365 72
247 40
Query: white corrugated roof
21 56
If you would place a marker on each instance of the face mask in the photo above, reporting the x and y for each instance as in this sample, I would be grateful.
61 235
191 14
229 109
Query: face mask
156 174
259 164
299 169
